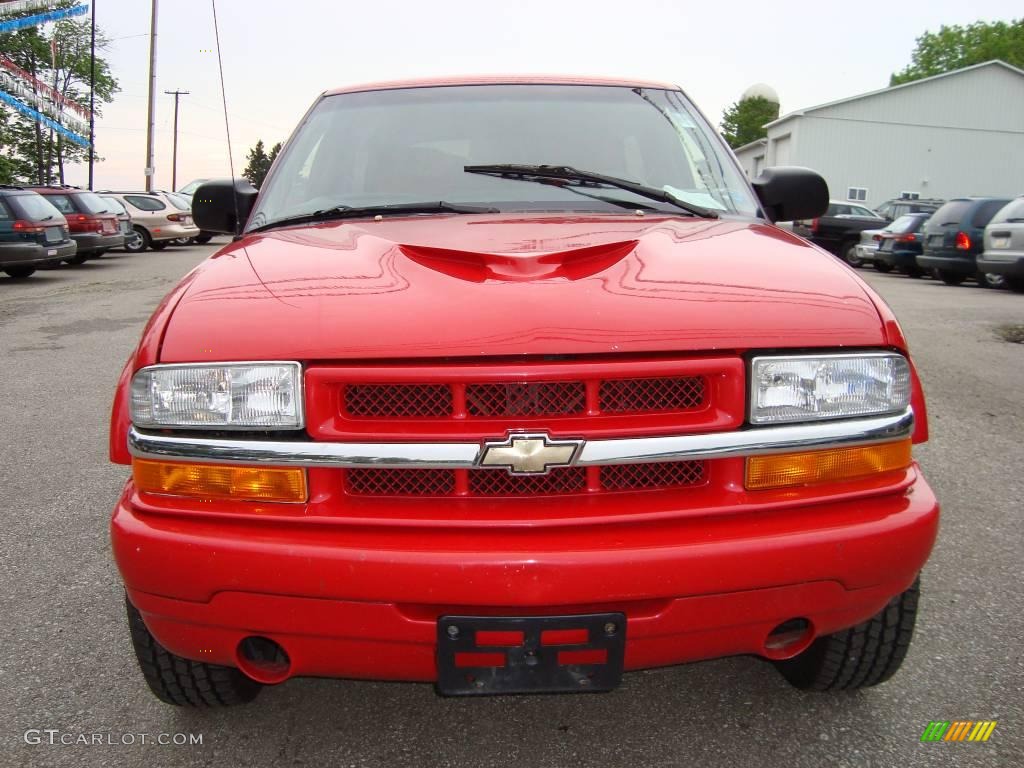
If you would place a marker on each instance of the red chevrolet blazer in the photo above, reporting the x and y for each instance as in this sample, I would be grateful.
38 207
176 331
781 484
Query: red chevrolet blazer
512 385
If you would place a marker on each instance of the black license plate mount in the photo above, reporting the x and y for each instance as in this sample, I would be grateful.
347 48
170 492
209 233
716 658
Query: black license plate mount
488 655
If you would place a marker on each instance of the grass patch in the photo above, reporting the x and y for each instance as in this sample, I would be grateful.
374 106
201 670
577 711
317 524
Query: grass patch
1011 332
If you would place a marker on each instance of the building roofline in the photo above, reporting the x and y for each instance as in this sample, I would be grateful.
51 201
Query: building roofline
826 105
750 144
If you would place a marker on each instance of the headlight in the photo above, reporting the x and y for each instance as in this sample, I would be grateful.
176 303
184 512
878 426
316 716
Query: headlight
811 388
219 396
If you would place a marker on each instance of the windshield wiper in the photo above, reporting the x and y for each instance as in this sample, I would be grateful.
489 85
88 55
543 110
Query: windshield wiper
541 173
354 212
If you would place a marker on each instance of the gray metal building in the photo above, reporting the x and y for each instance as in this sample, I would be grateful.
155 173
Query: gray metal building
960 133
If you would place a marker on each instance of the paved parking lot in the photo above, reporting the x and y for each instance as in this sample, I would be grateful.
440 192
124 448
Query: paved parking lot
67 664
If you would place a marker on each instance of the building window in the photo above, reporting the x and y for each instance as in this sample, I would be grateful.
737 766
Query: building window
857 193
910 195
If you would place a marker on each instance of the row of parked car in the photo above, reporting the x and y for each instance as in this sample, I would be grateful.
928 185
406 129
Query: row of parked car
980 238
44 226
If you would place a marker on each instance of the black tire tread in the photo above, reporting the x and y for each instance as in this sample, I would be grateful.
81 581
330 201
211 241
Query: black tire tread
183 682
862 656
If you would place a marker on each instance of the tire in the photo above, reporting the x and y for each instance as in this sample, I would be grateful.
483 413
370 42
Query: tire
182 682
849 252
182 241
1015 284
78 258
881 266
97 254
19 273
139 245
951 278
159 245
202 239
989 280
859 657
913 272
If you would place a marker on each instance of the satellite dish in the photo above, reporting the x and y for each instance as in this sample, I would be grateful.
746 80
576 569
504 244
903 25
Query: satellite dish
763 90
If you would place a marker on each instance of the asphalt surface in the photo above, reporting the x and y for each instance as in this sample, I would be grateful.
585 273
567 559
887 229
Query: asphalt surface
66 662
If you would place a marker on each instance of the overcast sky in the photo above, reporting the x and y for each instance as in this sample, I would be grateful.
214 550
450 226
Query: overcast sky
279 56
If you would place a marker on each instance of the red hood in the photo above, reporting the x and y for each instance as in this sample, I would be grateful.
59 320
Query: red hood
468 286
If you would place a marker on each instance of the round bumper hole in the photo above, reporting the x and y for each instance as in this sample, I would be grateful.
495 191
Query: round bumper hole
263 660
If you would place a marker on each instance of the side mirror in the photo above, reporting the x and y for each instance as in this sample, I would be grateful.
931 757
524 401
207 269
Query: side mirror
791 193
223 206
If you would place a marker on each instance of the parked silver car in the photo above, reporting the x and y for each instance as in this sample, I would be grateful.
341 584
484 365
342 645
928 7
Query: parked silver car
156 218
1004 245
866 249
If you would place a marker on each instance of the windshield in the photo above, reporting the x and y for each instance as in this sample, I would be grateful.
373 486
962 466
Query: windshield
35 207
191 187
1012 212
92 203
906 224
114 205
179 202
411 145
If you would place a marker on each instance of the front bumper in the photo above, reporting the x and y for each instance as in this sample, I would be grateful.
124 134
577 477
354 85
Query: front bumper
34 254
363 602
1012 266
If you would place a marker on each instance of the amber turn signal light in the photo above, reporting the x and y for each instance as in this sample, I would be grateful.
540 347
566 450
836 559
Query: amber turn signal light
214 481
786 470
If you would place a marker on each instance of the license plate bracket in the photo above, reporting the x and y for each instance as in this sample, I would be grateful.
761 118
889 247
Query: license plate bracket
487 655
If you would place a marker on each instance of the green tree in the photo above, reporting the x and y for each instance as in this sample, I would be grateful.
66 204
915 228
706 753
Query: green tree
258 164
955 46
744 121
274 152
35 153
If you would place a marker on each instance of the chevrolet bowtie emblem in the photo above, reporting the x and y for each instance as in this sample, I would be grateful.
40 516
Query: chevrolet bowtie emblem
530 454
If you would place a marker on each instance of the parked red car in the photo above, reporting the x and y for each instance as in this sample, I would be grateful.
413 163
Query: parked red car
511 385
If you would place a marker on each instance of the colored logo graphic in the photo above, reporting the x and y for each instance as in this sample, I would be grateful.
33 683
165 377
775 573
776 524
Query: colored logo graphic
958 730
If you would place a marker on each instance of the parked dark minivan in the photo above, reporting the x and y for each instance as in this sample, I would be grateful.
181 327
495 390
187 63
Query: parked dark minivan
32 233
954 236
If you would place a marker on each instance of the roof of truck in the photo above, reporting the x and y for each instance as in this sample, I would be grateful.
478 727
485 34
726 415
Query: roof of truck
434 82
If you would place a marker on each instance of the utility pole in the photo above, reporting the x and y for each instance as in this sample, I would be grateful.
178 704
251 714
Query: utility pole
174 162
150 119
92 91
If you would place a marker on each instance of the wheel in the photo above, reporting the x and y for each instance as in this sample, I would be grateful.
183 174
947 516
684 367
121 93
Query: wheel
1015 284
881 266
182 241
159 245
139 244
97 254
183 682
990 280
951 278
19 273
913 272
78 258
859 657
849 251
202 239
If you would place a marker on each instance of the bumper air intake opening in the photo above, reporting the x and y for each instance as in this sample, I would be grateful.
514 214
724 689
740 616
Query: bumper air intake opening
788 639
263 660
